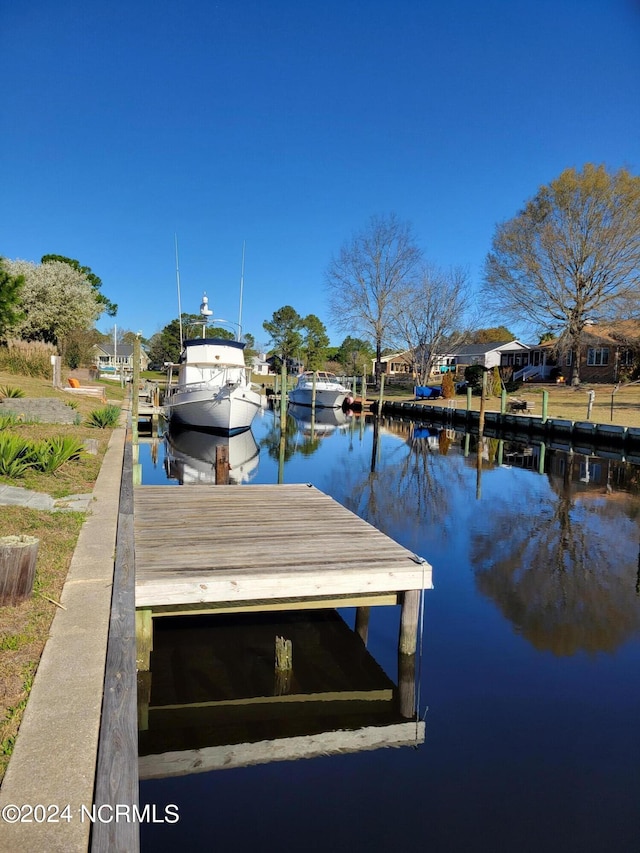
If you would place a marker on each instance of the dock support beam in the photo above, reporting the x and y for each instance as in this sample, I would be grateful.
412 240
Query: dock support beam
144 639
409 622
362 623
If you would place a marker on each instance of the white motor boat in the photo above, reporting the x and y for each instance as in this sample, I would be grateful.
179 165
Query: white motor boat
214 387
330 392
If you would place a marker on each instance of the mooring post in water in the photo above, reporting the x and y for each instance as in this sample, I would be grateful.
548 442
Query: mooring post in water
135 389
503 402
541 458
381 397
284 666
313 396
364 388
545 406
468 399
222 465
591 396
283 394
482 403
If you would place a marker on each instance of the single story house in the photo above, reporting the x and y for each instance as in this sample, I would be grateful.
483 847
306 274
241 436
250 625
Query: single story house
395 364
490 355
606 354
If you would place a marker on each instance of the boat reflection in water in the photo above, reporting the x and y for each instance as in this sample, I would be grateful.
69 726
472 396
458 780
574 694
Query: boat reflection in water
213 699
190 456
325 422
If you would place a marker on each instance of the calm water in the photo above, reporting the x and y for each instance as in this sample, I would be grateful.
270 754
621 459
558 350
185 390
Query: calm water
528 667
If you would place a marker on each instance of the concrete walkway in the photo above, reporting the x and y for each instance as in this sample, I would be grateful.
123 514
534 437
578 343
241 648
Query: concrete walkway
54 760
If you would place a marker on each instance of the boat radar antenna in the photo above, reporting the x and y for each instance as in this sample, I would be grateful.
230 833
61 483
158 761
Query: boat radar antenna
205 312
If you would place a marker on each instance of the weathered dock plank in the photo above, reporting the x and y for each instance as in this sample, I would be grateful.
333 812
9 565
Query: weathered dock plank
225 543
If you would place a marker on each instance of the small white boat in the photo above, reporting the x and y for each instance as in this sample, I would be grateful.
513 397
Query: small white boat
330 392
214 387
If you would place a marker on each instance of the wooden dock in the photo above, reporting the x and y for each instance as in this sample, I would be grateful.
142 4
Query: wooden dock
230 544
229 548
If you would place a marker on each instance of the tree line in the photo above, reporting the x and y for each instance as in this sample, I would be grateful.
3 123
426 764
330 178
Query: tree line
571 256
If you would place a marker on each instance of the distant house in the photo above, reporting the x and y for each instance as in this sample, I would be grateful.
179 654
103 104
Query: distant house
607 354
108 359
491 355
455 361
260 366
395 364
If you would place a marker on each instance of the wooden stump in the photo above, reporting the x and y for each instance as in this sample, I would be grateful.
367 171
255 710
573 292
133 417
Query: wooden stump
18 556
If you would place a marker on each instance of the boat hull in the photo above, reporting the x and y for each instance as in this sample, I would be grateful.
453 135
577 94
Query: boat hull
227 410
325 398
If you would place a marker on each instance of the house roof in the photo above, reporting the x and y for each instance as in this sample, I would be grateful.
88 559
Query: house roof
483 349
622 333
123 350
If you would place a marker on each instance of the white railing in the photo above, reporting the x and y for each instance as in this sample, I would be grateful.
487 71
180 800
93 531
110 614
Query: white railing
529 370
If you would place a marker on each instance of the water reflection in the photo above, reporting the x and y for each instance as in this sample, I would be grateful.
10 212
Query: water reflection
191 456
213 699
535 555
563 566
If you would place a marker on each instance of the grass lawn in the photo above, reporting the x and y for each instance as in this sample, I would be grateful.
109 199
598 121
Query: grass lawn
24 628
563 402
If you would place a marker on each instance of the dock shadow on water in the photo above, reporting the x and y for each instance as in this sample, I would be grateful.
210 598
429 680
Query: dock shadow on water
525 679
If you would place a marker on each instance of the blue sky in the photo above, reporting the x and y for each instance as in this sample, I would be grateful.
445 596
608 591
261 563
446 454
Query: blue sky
288 125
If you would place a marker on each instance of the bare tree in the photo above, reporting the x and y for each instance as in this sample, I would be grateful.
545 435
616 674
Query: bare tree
428 316
572 255
367 278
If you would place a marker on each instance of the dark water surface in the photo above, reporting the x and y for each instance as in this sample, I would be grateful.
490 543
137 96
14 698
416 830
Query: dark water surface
528 668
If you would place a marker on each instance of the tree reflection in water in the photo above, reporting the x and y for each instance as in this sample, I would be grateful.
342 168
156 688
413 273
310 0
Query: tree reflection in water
562 568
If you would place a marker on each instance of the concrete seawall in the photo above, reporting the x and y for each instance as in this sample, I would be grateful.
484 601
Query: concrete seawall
577 434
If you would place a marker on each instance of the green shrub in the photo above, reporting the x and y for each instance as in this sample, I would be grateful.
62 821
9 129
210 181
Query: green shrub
104 418
52 453
16 455
7 421
7 391
473 375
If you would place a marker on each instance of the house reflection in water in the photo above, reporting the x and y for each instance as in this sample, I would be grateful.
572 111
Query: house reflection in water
213 699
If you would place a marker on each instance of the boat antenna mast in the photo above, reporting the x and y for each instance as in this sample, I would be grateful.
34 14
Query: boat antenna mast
241 289
178 284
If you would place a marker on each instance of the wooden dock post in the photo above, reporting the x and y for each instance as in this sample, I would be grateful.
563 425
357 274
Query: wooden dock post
222 465
362 623
409 622
144 639
407 685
